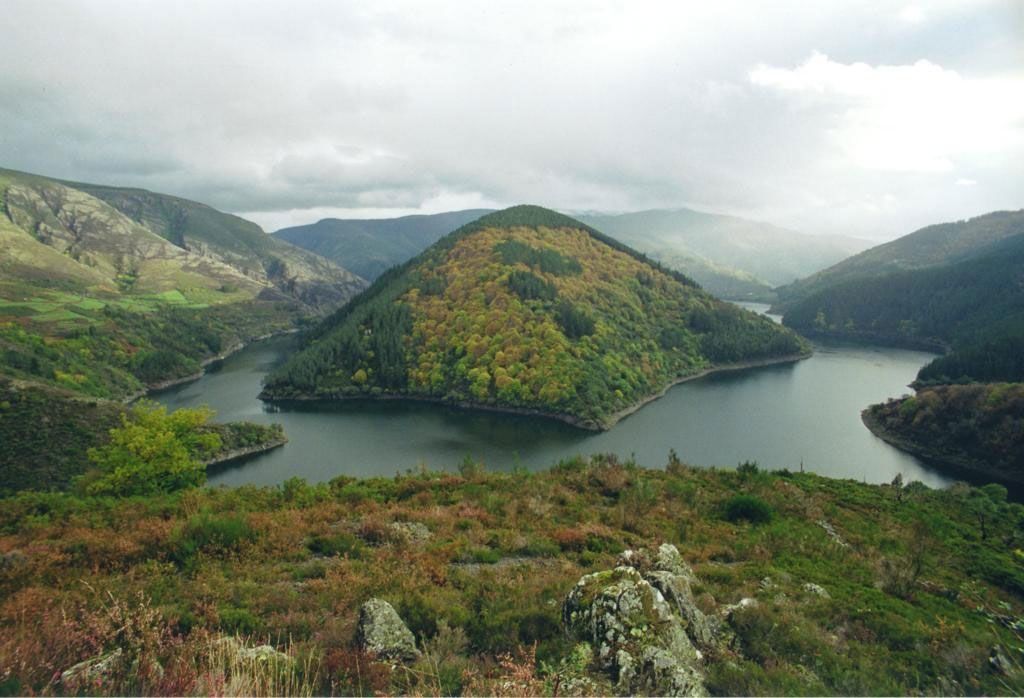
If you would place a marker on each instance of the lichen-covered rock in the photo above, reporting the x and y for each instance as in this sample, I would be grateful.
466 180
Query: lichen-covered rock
92 672
382 633
668 573
817 590
409 532
636 636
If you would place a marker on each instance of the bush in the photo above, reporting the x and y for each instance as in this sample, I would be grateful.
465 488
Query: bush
744 507
205 532
336 545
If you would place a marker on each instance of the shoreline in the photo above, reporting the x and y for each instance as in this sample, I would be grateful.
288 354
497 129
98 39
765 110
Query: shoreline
590 425
953 463
238 453
203 365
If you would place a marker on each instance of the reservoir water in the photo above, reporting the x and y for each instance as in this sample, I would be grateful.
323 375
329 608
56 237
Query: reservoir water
780 416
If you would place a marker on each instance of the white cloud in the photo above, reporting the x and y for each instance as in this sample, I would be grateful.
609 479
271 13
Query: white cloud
919 117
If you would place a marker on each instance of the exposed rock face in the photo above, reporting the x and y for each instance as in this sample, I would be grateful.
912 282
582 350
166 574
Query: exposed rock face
382 632
638 631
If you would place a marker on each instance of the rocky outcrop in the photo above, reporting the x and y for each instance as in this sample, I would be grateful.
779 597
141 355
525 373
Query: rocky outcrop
382 633
642 623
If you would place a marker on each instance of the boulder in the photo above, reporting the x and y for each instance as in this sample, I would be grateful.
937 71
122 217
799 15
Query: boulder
85 676
817 590
382 633
636 635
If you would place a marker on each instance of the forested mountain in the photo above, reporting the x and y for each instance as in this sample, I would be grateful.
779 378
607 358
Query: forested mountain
371 247
933 246
731 257
976 306
527 308
105 290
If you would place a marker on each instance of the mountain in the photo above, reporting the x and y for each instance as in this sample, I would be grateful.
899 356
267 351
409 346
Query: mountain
236 242
932 246
371 247
528 309
105 290
975 305
731 257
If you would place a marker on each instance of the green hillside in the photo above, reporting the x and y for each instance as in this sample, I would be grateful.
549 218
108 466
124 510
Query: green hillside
933 246
371 247
974 428
105 301
974 306
731 257
528 309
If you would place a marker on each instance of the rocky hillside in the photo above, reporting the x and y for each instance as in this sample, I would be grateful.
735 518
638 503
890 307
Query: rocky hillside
527 309
596 578
107 298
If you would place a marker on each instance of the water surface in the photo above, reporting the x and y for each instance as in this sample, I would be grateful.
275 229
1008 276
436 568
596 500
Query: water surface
781 416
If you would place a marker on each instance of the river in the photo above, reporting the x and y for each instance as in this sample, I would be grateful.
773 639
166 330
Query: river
781 416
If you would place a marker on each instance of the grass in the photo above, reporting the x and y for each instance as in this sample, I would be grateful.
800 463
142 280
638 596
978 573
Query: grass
917 598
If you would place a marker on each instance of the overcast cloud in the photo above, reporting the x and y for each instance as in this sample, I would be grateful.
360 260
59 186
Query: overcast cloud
867 118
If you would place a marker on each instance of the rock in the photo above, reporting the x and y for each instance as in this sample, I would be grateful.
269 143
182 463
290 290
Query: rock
747 602
767 584
262 653
382 633
817 590
636 636
84 676
999 662
670 575
409 532
833 534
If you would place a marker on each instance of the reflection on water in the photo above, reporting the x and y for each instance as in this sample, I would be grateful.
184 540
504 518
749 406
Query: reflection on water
781 416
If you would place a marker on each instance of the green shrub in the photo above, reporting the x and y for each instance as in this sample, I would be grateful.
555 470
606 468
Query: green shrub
210 534
338 544
745 507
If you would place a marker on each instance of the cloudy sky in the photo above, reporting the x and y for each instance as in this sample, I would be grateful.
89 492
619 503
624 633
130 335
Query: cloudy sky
862 117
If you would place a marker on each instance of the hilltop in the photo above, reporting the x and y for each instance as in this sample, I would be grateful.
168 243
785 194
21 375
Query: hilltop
105 291
729 256
528 309
369 247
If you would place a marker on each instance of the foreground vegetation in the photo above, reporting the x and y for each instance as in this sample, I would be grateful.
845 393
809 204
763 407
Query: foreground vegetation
58 440
528 309
921 587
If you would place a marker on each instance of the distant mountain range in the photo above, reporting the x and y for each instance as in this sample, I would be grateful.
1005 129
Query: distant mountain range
730 257
371 247
933 246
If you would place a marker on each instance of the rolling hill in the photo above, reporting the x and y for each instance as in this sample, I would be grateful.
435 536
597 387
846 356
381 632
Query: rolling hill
731 257
527 309
370 247
106 290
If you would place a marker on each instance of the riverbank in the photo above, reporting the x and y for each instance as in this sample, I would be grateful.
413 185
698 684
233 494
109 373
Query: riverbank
234 348
586 424
957 464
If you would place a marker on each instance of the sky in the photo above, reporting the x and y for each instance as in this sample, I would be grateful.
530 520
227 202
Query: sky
866 118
